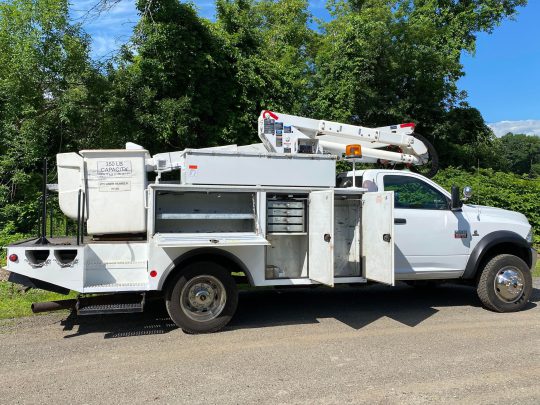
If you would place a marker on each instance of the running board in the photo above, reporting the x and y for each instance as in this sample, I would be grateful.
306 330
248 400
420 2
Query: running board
114 304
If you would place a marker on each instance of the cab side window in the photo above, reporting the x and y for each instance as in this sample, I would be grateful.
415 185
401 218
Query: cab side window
413 193
344 181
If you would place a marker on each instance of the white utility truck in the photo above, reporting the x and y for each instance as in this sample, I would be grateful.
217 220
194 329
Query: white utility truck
270 214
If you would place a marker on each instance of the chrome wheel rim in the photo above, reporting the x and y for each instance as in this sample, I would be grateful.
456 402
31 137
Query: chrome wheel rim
509 284
203 298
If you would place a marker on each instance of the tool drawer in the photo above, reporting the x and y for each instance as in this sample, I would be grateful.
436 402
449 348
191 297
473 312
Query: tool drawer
286 216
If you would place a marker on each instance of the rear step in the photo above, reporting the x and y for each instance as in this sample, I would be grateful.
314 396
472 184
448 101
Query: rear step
128 303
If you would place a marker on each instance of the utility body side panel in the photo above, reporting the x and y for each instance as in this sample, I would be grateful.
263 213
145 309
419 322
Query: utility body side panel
321 237
378 237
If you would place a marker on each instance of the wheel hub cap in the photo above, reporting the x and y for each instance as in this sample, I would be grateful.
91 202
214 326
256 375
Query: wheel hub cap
203 298
509 284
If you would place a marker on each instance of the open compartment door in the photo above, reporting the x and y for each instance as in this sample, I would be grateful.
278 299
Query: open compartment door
378 236
321 237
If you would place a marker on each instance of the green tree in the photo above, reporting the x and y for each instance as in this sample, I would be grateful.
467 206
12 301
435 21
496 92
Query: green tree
271 47
49 100
172 89
463 139
381 62
522 152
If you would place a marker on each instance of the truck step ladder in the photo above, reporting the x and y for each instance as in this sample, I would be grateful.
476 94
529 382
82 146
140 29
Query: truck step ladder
124 304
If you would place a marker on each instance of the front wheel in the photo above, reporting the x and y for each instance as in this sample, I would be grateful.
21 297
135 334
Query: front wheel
203 298
505 284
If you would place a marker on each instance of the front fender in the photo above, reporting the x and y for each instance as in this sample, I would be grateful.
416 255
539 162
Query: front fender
489 242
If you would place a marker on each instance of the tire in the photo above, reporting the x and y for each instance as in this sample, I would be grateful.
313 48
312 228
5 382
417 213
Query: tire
202 298
505 284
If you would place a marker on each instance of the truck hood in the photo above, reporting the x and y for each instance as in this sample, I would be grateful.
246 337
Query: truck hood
491 214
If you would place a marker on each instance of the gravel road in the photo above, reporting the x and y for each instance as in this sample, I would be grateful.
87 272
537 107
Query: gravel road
361 345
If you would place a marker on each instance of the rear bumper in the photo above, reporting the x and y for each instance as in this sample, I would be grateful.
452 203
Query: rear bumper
33 283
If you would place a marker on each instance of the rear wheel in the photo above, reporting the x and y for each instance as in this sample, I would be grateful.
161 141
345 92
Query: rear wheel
505 284
203 298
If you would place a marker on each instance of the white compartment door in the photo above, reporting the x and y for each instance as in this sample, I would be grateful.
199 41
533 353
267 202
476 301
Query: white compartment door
321 237
378 236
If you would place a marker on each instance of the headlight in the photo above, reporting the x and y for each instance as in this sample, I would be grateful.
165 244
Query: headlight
529 236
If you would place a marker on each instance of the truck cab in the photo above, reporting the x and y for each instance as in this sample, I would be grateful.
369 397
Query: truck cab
434 241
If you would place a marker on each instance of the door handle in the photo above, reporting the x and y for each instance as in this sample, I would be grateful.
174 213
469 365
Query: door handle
400 221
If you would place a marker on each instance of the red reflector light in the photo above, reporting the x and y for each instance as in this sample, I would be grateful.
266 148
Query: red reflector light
153 273
193 167
13 257
407 125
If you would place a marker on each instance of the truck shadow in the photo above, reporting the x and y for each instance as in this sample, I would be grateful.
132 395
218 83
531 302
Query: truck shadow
355 307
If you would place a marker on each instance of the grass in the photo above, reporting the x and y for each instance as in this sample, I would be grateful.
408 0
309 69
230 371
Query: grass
15 303
536 272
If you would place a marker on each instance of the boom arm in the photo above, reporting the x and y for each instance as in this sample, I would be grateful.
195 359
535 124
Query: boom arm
284 133
293 134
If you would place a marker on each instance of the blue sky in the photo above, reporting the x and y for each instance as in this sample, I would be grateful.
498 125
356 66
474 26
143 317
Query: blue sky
502 78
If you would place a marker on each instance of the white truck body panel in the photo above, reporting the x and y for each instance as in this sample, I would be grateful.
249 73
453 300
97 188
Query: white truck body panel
321 237
377 243
222 167
121 266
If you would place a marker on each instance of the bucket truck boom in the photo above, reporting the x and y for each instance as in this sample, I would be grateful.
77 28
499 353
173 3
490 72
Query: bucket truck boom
284 133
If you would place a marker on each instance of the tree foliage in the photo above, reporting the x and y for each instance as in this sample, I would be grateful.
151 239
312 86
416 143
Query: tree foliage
522 153
48 100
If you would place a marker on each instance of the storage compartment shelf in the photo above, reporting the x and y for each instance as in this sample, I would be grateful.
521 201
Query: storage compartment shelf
204 216
288 233
205 212
209 239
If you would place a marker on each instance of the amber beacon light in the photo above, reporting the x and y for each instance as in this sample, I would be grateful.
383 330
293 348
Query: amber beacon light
353 150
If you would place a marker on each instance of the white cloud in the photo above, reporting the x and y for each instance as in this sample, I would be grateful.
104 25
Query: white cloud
103 46
529 127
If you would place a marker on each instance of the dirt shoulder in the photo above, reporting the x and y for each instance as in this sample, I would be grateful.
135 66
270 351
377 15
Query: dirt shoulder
363 345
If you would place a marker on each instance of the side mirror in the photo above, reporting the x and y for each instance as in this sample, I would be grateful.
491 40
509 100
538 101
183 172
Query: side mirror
467 192
456 202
